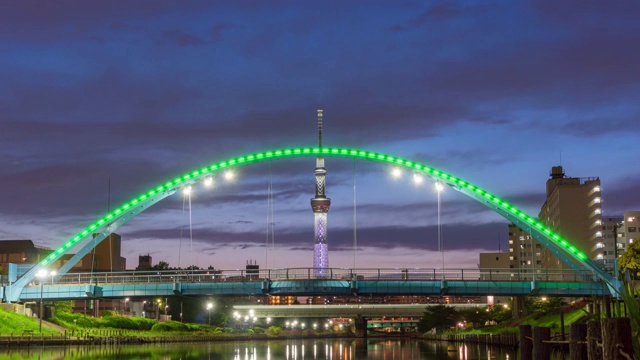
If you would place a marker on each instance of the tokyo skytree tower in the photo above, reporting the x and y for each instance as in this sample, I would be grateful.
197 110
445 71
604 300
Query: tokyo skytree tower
320 205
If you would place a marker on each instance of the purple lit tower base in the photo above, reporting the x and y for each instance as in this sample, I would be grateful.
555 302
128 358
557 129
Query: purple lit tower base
320 247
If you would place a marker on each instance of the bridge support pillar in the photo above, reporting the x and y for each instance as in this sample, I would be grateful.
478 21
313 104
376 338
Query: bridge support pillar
361 326
177 288
444 288
354 286
266 286
519 309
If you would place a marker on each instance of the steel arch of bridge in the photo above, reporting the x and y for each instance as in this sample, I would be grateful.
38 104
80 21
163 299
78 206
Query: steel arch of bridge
108 223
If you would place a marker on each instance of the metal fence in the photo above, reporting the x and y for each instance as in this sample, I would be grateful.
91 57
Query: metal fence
396 274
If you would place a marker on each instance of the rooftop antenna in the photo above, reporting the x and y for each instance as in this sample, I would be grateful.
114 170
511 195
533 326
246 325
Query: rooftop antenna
320 128
560 157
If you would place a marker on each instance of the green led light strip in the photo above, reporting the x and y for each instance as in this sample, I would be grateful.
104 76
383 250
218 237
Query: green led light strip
337 152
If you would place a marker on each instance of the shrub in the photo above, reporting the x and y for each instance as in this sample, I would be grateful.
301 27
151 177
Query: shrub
170 326
104 313
273 331
67 319
63 306
143 323
120 322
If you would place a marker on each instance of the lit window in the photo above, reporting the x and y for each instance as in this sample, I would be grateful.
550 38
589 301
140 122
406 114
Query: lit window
597 200
598 211
598 222
599 257
599 245
599 234
596 189
631 219
528 262
510 242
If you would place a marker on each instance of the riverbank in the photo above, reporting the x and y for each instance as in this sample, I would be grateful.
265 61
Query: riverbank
115 339
136 331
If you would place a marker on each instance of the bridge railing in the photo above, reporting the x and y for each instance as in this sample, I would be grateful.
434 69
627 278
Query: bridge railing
396 274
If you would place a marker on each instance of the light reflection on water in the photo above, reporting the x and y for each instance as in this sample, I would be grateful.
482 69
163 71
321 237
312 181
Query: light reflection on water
302 349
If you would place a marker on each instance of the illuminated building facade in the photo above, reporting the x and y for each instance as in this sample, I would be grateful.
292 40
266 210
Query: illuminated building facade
617 233
573 209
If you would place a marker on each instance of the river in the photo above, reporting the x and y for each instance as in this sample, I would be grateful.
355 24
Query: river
299 349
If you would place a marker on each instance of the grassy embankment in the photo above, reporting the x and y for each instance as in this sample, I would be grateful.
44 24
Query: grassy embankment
16 324
114 325
550 320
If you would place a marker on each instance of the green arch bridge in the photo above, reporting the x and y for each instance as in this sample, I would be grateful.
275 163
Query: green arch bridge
107 224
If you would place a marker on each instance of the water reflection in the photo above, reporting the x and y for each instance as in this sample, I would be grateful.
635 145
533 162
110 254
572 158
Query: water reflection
310 349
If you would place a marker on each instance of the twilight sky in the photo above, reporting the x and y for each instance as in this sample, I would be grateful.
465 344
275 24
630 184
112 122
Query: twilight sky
494 92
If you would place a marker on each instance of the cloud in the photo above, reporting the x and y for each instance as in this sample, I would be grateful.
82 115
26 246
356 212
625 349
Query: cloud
144 92
181 38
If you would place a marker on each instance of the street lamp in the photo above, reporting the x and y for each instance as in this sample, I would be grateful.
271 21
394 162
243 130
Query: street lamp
439 189
42 275
209 306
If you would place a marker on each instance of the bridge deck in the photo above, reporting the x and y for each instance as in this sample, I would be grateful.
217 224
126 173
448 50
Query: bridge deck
303 282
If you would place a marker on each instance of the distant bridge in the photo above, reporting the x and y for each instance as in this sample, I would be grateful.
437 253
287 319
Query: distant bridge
303 282
342 310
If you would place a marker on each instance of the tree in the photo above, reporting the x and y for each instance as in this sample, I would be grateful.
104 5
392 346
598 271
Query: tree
549 305
439 317
630 260
474 316
162 265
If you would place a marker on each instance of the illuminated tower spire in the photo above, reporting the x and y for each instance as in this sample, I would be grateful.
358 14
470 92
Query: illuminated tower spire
320 205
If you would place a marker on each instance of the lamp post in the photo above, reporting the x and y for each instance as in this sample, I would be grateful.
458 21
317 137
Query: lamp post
209 306
42 275
439 189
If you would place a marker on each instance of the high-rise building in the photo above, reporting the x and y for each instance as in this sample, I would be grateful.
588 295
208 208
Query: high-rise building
604 250
145 262
524 252
105 256
617 233
630 229
320 205
573 210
